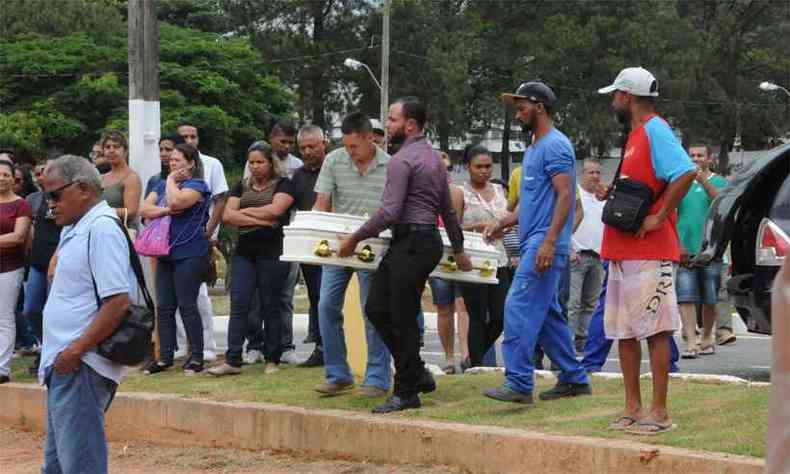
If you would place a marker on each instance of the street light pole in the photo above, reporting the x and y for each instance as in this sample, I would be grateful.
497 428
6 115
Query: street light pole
770 86
385 66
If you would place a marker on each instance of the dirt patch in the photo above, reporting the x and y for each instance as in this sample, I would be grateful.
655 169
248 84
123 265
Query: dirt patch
20 453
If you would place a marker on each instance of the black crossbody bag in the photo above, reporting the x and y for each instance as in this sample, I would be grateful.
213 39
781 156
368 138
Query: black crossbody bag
130 344
628 203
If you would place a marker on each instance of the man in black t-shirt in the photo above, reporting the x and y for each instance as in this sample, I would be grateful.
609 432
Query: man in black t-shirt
312 147
45 237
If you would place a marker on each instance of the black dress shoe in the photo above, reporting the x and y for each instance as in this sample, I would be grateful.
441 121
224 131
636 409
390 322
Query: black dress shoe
507 394
566 389
396 403
316 359
426 384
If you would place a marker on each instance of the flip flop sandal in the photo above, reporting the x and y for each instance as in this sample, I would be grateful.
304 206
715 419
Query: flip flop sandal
689 354
650 428
449 369
707 350
623 423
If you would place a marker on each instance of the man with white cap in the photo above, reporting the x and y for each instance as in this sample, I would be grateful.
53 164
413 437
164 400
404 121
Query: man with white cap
545 220
640 299
378 134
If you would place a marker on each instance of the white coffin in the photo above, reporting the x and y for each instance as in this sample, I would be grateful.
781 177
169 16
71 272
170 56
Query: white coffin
312 238
485 259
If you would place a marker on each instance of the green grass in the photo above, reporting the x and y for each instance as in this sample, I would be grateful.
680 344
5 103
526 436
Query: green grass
718 418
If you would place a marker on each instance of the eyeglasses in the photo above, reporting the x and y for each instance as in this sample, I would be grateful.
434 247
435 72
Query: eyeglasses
54 196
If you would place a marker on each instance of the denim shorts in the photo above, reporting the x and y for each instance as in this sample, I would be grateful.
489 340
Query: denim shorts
698 285
444 292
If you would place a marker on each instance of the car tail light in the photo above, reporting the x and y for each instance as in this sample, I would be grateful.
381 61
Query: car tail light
772 244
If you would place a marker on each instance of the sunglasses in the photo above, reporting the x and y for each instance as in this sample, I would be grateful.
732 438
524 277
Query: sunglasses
54 195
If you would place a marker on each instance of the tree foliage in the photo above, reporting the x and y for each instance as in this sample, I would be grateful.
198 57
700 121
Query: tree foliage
223 63
306 41
61 92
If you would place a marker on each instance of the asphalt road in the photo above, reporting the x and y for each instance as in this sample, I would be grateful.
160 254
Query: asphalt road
749 357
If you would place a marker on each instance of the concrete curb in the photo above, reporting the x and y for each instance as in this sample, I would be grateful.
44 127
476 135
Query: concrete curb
709 379
172 420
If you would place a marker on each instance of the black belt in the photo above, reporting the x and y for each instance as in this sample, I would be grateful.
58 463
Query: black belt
591 253
403 229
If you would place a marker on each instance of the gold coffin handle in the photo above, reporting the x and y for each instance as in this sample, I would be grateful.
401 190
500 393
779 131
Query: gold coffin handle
451 266
323 250
366 255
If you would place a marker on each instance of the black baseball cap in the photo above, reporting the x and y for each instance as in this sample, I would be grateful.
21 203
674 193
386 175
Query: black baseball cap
533 91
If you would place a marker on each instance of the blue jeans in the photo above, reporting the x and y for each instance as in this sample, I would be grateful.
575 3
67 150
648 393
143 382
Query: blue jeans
24 330
698 285
334 281
421 323
533 316
76 403
269 277
597 347
177 286
36 290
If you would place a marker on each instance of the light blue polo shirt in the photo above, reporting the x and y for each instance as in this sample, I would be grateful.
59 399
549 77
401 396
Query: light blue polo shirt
551 155
71 305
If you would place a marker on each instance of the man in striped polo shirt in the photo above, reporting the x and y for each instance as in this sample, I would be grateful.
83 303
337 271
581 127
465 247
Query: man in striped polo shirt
351 181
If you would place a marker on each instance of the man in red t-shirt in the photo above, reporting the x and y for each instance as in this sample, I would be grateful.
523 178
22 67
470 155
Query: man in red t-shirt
640 301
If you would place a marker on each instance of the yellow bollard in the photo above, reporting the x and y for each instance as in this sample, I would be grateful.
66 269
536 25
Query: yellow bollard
354 329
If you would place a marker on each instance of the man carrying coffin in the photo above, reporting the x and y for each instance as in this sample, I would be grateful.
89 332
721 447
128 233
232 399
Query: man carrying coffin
415 194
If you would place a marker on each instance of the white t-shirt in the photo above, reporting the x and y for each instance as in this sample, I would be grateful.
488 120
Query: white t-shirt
289 165
214 176
589 235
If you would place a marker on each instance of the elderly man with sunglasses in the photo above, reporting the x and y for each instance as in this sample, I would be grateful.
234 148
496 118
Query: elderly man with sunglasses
84 308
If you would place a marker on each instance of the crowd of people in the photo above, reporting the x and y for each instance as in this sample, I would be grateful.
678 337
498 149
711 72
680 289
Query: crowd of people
568 284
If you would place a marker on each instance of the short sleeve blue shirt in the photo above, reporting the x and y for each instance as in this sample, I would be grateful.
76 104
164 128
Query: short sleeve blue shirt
670 160
71 305
551 155
188 229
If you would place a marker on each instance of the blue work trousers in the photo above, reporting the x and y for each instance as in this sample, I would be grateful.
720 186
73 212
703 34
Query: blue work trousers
533 316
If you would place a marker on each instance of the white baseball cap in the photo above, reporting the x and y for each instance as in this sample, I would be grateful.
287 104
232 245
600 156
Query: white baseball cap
634 80
376 125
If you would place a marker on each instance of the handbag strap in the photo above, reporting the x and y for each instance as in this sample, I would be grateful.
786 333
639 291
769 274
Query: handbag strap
134 260
200 215
626 131
624 140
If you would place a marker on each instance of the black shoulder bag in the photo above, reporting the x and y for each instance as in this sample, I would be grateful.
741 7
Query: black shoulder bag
130 344
628 203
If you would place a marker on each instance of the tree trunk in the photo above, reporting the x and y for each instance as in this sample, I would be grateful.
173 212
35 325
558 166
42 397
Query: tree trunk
443 130
504 157
317 83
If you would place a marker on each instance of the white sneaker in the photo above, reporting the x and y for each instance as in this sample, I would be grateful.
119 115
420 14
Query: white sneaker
252 357
290 357
180 354
209 356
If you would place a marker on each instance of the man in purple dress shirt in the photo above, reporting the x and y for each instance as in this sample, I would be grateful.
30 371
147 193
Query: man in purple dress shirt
415 194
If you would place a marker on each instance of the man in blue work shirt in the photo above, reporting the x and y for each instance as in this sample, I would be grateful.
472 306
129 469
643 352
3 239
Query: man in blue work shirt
532 310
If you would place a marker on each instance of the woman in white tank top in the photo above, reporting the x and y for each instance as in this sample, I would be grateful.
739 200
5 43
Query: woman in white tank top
484 202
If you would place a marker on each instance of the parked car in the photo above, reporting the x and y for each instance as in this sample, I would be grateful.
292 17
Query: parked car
752 216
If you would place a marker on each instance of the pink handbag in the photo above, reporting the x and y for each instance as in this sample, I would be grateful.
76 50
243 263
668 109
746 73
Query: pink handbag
154 240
